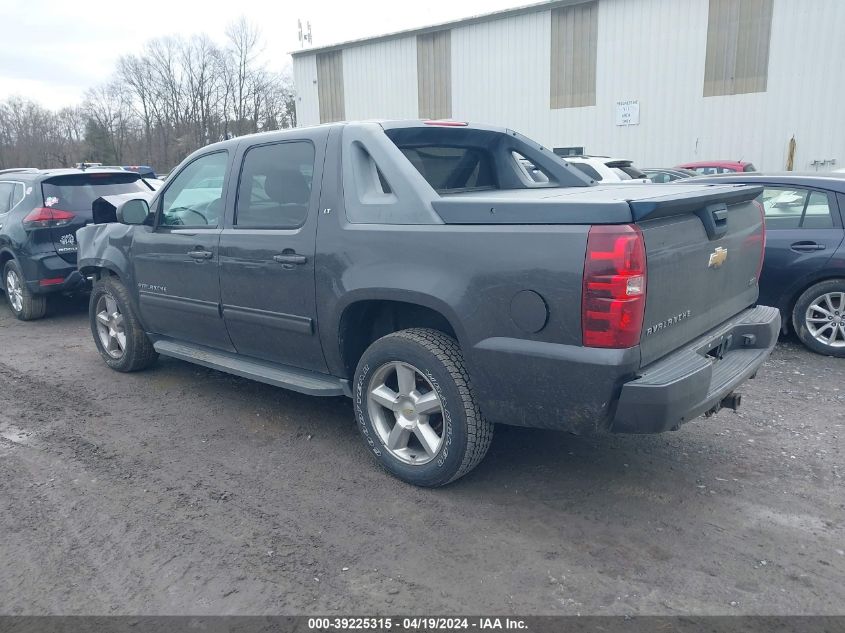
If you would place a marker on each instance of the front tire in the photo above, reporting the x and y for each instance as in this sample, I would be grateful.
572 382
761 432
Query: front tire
416 409
24 305
118 334
819 317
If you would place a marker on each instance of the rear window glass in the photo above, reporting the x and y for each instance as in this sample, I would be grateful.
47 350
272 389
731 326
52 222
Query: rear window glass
627 172
749 167
448 168
76 192
586 169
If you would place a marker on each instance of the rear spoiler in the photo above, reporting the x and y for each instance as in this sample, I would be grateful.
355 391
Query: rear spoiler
601 204
692 201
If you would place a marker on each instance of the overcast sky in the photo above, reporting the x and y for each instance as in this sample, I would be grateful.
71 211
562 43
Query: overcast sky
52 50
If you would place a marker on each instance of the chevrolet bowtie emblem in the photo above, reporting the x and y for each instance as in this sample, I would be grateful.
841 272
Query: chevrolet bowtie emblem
718 257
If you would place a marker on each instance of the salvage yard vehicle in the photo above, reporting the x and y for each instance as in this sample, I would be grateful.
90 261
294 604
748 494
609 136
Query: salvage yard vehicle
804 269
663 174
417 268
711 167
40 212
605 169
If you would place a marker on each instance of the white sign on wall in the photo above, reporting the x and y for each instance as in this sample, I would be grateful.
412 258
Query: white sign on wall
627 113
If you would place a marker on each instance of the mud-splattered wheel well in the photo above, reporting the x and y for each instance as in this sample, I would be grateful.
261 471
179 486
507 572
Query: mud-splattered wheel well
364 322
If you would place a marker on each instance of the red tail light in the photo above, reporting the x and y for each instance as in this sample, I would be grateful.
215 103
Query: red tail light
762 239
613 295
46 217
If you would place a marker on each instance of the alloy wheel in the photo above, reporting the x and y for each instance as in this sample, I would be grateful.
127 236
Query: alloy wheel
14 290
407 413
110 326
825 319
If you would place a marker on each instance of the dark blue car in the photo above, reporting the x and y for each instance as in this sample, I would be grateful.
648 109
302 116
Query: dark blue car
804 269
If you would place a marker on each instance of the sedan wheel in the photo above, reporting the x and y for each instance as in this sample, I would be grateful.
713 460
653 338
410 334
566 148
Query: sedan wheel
818 317
110 326
825 319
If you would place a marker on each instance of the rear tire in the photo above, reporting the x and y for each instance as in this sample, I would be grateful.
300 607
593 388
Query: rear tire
24 305
416 409
819 317
118 334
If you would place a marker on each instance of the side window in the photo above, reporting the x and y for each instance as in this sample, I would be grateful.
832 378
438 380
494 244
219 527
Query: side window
195 197
275 186
18 195
796 208
6 191
817 215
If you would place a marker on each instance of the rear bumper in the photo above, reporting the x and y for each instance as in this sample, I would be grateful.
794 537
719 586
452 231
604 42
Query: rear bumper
696 378
50 266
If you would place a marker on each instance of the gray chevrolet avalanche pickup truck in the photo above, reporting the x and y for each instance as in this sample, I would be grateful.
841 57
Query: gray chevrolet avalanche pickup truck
419 269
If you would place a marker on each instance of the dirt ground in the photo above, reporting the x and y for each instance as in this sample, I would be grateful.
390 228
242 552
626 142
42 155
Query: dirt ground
181 490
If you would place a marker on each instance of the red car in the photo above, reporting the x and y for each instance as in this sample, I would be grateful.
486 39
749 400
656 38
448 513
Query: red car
719 166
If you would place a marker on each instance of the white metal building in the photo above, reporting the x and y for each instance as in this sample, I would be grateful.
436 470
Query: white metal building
657 81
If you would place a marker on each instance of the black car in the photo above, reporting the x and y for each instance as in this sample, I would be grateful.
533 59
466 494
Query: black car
40 212
804 268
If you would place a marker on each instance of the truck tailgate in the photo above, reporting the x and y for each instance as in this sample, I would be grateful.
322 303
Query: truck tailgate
697 278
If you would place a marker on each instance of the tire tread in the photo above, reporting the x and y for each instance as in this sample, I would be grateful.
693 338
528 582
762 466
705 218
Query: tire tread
139 353
447 351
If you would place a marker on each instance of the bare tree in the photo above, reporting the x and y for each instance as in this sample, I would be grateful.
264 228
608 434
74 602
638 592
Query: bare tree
174 96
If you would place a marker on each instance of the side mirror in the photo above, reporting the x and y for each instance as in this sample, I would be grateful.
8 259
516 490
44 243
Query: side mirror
134 211
123 208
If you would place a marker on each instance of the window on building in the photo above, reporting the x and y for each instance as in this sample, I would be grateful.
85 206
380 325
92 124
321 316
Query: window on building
738 34
573 55
330 86
434 75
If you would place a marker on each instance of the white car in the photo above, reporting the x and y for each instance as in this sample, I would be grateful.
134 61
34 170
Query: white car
605 169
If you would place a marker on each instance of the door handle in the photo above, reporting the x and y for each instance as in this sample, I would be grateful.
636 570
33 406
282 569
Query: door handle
290 258
806 247
200 254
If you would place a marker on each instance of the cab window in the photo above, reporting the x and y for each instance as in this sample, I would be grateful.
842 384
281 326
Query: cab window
195 197
275 186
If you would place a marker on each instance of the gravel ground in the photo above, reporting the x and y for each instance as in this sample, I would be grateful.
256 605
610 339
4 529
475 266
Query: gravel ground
181 490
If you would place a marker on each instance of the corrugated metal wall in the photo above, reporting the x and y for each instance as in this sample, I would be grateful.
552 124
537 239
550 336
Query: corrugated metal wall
573 55
652 51
330 86
434 75
381 78
737 59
